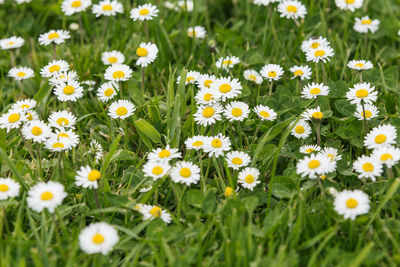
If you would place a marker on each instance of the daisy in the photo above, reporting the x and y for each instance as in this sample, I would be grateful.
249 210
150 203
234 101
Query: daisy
147 53
204 81
314 43
331 153
8 188
64 77
388 155
151 212
62 118
31 115
236 111
118 72
112 57
54 36
360 64
350 203
302 72
383 135
362 92
70 7
351 5
36 130
265 113
308 149
237 159
198 32
144 12
191 77
185 172
98 237
365 24
228 191
292 9
368 167
12 119
252 75
196 142
228 87
313 90
227 62
21 73
248 178
121 109
26 104
107 8
208 114
186 5
55 144
272 72
69 134
107 91
207 96
156 169
46 196
97 149
69 91
87 177
322 53
315 165
164 154
370 112
312 114
54 67
12 42
264 2
302 130
217 145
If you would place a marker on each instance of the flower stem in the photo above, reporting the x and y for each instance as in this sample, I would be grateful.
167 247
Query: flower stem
39 160
364 118
270 88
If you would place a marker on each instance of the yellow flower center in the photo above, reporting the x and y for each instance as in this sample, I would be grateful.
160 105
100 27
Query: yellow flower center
164 153
189 79
332 157
118 74
21 74
237 161
313 164
252 77
298 73
65 135
323 177
29 116
197 143
108 92
236 112
207 97
314 45
141 52
192 33
112 60
264 114
46 196
368 167
24 106
225 88
361 93
157 170
359 65
350 1
144 11
386 157
272 74
315 91
13 118
208 112
207 83
319 53
249 179
216 143
69 90
380 138
36 131
299 129
11 43
228 191
309 150
98 239
351 203
291 8
4 188
58 145
227 62
185 172
54 68
53 35
62 121
366 21
317 115
94 175
156 212
367 114
76 4
121 111
107 8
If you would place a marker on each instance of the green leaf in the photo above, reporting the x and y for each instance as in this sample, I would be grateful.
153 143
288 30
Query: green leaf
148 130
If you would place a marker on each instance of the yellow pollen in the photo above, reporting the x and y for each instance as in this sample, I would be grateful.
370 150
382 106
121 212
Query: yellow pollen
141 52
144 12
313 164
192 33
386 157
315 91
208 112
53 35
98 239
62 121
76 4
332 157
309 150
185 172
108 92
216 143
225 88
164 153
368 167
323 177
351 203
24 106
21 74
65 135
10 43
291 8
360 65
298 73
157 170
118 74
29 116
36 131
237 161
13 118
94 175
107 8
228 191
46 196
252 77
272 74
207 83
68 90
54 68
264 114
249 179
227 62
367 114
197 143
366 21
319 53
189 79
317 115
299 129
380 138
4 188
112 60
237 112
361 93
350 1
121 111
156 212
314 45
58 145
207 97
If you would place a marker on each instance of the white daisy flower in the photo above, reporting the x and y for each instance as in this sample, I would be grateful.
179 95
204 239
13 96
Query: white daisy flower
360 64
365 24
70 7
107 91
315 165
31 115
362 92
237 159
54 67
98 237
198 32
368 167
204 81
46 196
55 144
292 9
38 131
156 169
236 111
265 113
64 77
121 109
228 87
54 36
69 134
314 43
308 149
118 72
302 130
252 75
383 135
147 53
217 145
62 118
196 142
248 178
12 42
151 212
388 155
97 149
112 57
227 62
322 53
69 91
25 104
144 12
351 5
21 73
208 114
87 177
272 72
264 2
370 112
8 188
207 96
191 77
302 72
107 8
164 154
331 153
313 90
312 114
186 5
12 119
185 172
350 204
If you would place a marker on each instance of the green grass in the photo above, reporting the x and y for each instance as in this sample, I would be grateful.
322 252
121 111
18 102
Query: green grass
285 221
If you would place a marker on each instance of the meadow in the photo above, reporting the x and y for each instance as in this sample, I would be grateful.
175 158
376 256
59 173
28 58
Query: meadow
217 133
